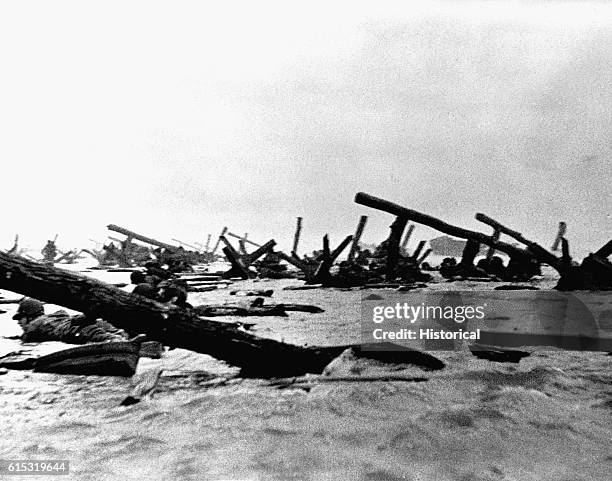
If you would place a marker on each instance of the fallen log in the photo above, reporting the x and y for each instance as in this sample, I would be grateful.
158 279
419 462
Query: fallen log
171 325
395 209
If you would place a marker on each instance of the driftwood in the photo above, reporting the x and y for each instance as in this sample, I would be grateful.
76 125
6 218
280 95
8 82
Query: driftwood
171 325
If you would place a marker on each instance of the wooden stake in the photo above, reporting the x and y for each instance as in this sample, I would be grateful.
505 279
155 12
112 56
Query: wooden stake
407 236
296 236
357 237
133 235
223 231
560 233
540 254
418 250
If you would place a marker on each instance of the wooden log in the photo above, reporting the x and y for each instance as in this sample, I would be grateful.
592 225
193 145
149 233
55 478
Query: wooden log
257 253
395 209
491 251
322 264
326 252
207 243
195 249
605 251
560 233
424 256
294 261
357 237
533 247
470 251
171 325
418 250
296 236
242 247
338 250
239 268
134 235
223 231
407 237
243 238
565 256
393 246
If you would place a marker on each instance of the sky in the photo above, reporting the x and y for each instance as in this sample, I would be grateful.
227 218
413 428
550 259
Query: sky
175 119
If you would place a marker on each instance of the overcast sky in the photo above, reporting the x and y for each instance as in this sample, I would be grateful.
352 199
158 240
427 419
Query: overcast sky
174 119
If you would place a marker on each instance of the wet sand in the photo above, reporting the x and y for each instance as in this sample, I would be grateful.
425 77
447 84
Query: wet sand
548 417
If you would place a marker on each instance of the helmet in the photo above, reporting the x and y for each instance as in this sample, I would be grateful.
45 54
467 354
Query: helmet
29 308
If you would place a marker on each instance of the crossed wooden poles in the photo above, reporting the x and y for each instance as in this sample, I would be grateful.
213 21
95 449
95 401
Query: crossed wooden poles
595 271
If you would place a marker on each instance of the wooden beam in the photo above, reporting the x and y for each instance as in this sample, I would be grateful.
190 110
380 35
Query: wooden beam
185 244
134 235
424 256
357 237
171 325
407 236
296 236
560 233
393 245
605 251
338 250
223 231
418 250
395 209
260 251
533 247
207 243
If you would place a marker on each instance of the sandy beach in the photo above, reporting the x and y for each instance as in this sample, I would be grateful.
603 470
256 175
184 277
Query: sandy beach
545 418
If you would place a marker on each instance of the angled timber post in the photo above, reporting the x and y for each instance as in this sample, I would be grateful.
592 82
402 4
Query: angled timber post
560 233
296 236
357 237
